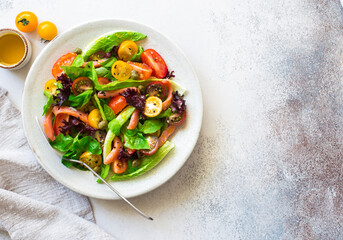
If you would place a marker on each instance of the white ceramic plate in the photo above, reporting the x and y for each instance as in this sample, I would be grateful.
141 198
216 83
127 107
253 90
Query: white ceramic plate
84 182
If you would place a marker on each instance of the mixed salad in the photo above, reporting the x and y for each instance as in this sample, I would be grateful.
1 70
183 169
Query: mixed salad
113 106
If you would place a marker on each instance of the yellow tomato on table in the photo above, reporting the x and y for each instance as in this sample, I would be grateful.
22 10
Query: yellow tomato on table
47 30
26 21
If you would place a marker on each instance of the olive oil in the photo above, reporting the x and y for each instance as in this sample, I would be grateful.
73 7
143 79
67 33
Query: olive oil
12 49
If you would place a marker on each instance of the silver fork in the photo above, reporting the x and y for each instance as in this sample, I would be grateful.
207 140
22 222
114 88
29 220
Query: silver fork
103 180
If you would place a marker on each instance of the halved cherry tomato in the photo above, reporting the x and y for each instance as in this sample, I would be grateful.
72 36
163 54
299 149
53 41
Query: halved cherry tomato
49 130
65 60
156 88
72 112
176 119
134 120
59 122
127 50
81 85
113 93
113 155
153 144
119 166
143 70
165 134
117 103
153 106
156 62
97 56
94 118
96 64
103 80
121 70
50 86
26 21
92 160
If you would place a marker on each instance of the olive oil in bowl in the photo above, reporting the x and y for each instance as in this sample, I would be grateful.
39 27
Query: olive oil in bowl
15 49
12 49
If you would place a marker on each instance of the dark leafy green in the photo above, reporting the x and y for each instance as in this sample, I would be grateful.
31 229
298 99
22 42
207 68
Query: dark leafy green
62 143
136 141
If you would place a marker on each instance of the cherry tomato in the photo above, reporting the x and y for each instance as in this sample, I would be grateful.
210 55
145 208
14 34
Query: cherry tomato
121 70
153 106
26 21
50 86
117 103
65 60
81 85
127 50
103 80
100 136
153 144
156 62
47 30
97 56
119 166
92 160
94 118
176 119
156 88
59 122
143 70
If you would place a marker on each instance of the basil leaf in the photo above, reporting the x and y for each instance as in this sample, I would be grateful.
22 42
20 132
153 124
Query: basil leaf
62 143
109 113
136 141
150 126
78 61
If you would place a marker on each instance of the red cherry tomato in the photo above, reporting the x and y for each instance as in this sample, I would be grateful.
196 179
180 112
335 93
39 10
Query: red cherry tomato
176 119
65 60
153 144
156 62
117 103
59 122
81 85
156 88
143 70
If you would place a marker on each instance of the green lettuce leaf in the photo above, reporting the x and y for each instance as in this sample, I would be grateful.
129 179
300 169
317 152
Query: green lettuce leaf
137 56
109 113
148 162
136 141
150 126
108 63
81 99
78 61
48 104
107 41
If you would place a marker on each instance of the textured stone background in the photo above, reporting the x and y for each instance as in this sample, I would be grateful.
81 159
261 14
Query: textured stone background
268 163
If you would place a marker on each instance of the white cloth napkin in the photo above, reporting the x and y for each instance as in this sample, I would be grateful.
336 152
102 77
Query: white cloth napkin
32 204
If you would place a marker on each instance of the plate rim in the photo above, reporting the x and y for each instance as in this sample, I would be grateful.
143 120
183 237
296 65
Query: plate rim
65 183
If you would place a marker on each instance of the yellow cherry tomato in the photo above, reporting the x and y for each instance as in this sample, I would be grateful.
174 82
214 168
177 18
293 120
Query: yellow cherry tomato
26 21
94 118
92 160
127 50
121 70
47 30
153 106
51 86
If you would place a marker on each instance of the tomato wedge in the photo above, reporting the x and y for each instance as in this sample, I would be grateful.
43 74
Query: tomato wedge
134 120
143 70
117 103
156 62
113 155
49 130
59 122
65 60
165 134
72 112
